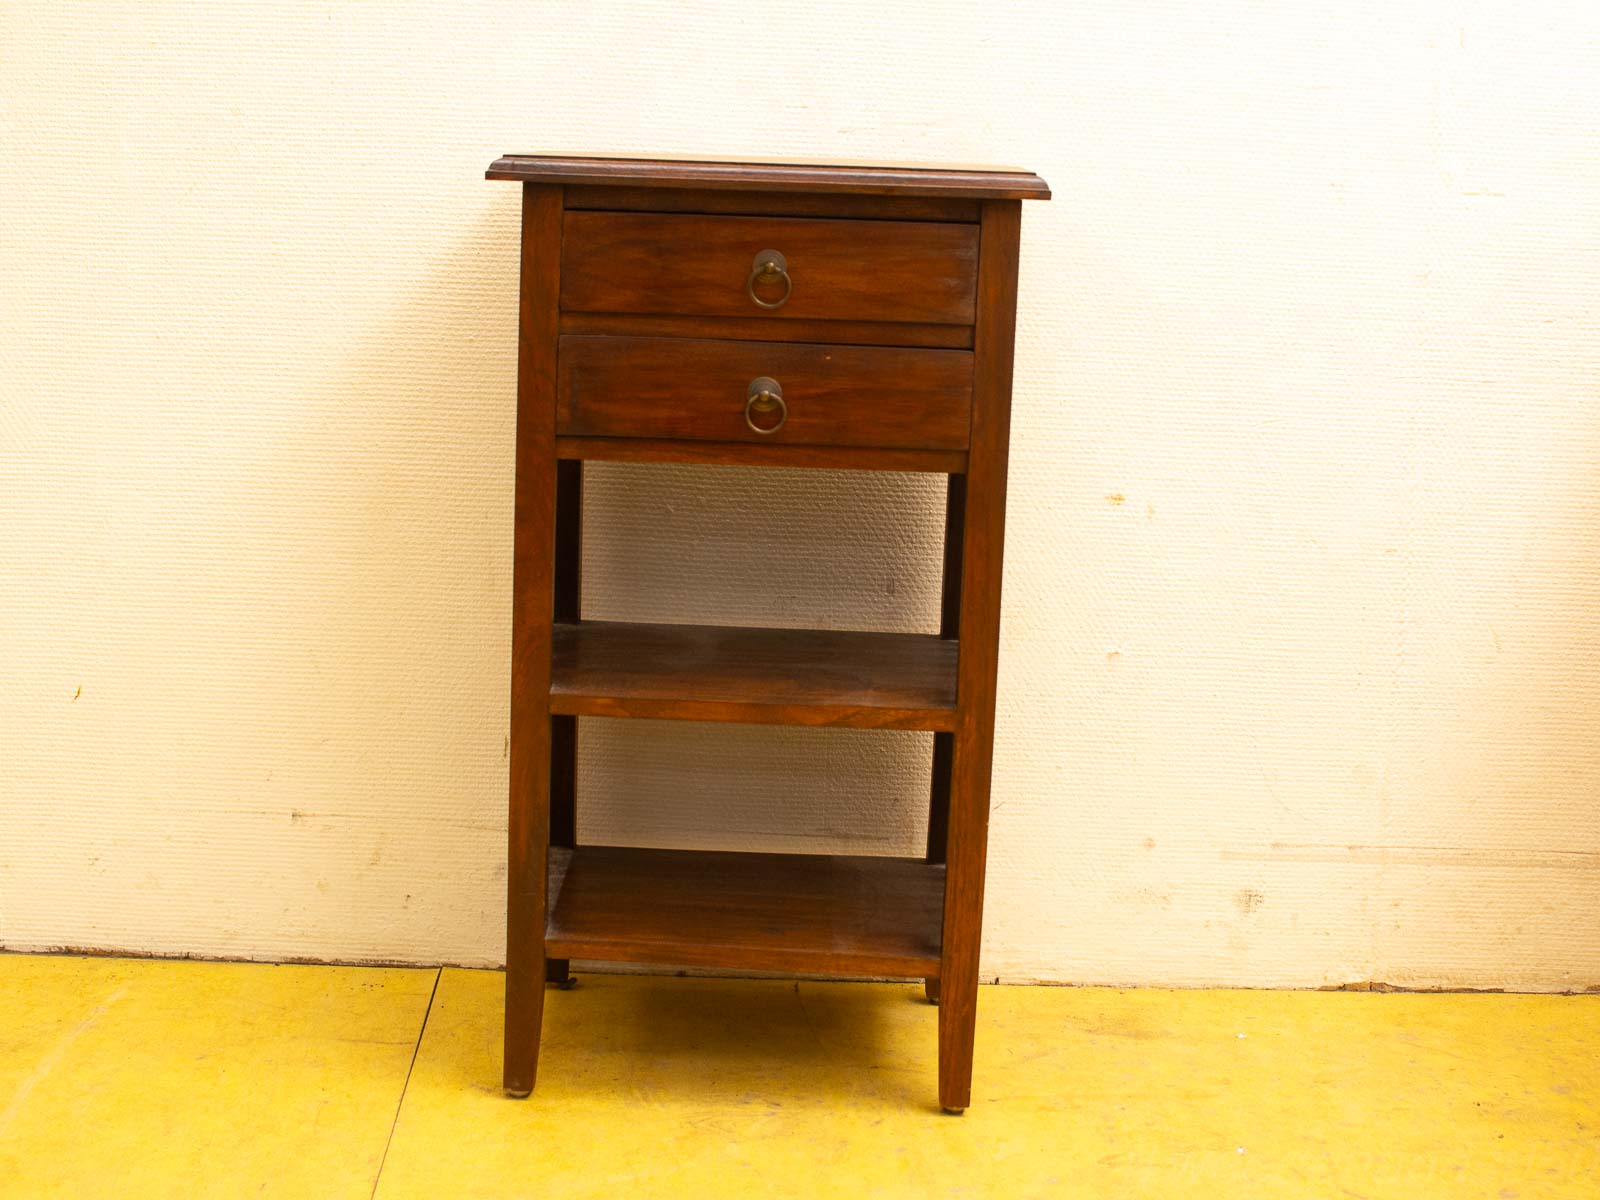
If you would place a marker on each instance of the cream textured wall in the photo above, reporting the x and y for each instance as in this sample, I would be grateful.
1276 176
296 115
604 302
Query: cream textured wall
1301 666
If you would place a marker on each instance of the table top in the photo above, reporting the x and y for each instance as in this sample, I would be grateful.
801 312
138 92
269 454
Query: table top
881 179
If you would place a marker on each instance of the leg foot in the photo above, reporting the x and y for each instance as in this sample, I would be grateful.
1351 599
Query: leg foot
555 971
524 1000
954 1112
958 1019
518 1095
930 989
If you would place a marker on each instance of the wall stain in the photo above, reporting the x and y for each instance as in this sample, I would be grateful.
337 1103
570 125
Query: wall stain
1378 985
1144 898
1457 856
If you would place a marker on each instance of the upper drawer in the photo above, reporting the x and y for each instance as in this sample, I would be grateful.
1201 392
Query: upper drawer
840 270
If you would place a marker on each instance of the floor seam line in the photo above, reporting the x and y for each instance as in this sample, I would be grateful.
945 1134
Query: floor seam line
383 1161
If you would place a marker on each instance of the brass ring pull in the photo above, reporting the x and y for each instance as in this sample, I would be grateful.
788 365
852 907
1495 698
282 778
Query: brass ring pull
765 396
769 267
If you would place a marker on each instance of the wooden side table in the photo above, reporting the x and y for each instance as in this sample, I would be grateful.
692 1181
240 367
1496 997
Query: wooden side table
802 316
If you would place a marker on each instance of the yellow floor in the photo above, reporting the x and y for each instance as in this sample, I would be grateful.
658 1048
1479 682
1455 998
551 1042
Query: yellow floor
133 1078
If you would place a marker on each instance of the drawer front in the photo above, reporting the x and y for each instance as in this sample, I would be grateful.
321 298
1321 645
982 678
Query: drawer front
696 390
841 270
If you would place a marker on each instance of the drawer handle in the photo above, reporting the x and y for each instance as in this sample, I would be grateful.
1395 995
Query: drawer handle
769 267
765 397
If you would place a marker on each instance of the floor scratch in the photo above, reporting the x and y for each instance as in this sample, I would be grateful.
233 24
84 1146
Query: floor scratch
49 1061
399 1104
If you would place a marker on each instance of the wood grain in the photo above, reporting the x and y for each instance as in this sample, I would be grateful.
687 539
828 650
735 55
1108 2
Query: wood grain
853 333
674 388
894 353
532 599
688 264
863 179
811 914
772 204
759 676
742 454
982 552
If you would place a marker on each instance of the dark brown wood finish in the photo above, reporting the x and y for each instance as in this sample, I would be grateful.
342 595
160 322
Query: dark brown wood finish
756 676
979 183
812 914
939 797
771 204
878 396
982 552
955 509
564 729
853 333
692 264
761 454
637 339
533 599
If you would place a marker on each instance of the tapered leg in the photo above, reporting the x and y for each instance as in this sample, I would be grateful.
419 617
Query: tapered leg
958 1023
972 747
963 919
532 608
525 898
524 995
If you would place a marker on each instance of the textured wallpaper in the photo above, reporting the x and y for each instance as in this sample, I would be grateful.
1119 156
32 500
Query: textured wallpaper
1300 675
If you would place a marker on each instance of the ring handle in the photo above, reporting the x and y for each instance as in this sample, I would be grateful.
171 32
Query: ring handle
765 396
769 267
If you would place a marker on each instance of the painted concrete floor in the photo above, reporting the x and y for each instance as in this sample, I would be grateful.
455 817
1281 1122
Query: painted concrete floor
133 1078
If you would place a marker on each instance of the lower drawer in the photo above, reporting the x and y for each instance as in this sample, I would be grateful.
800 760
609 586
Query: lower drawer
773 392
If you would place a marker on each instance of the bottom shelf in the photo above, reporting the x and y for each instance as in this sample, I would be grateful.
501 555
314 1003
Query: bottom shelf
811 914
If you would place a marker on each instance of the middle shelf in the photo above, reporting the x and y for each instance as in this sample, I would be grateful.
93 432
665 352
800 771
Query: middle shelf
761 676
